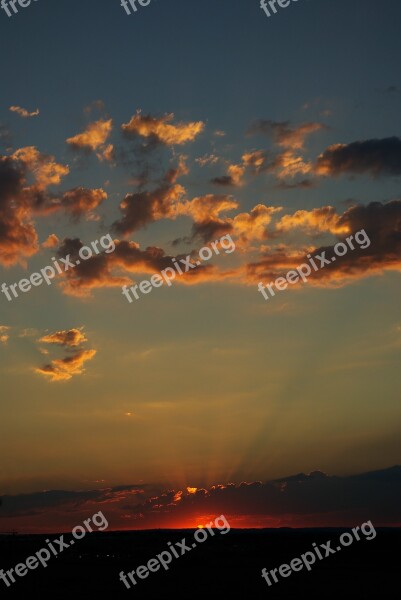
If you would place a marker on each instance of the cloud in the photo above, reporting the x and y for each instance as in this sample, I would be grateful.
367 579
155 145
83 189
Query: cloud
65 368
300 500
93 273
72 501
95 106
145 207
18 238
22 112
284 134
70 338
94 135
233 178
115 269
288 164
205 212
256 160
304 184
106 153
6 138
162 130
391 89
51 242
45 170
142 208
252 226
209 225
76 203
374 157
29 332
284 164
207 159
25 177
324 219
382 226
4 337
94 139
82 201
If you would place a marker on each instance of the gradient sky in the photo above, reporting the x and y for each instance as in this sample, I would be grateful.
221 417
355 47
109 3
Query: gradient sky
204 383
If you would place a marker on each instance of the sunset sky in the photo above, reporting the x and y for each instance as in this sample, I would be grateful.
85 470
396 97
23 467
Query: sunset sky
169 129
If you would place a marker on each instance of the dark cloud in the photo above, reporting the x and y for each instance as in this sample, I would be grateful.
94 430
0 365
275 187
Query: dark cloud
305 184
382 224
224 180
6 139
115 269
285 135
142 208
25 177
18 238
314 500
379 248
373 157
391 89
40 502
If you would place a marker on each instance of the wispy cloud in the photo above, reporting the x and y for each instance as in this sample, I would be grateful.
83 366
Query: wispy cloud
22 112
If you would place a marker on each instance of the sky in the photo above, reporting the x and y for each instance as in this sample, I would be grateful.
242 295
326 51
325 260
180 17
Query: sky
157 134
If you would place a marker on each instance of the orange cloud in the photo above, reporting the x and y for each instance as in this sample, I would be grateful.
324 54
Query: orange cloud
288 164
51 242
376 225
162 130
70 338
65 368
4 337
45 170
94 136
252 225
234 177
25 176
324 219
256 160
